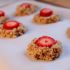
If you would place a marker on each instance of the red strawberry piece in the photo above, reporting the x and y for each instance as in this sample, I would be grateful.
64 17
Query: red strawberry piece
25 5
45 41
2 13
46 12
10 24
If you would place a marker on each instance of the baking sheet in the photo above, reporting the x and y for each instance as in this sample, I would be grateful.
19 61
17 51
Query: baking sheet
13 50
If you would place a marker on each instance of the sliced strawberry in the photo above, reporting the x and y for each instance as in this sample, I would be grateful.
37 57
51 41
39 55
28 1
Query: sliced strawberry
46 12
10 24
45 41
25 5
2 13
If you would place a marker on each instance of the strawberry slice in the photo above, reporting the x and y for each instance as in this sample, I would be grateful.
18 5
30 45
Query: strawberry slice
25 5
46 12
2 13
45 41
10 24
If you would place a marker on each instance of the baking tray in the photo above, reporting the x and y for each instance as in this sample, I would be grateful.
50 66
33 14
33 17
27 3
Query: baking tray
12 51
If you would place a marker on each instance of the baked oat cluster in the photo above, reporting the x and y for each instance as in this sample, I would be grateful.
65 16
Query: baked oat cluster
44 48
46 16
11 29
25 9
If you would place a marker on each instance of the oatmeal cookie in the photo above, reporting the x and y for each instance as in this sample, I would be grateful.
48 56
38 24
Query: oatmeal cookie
44 48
